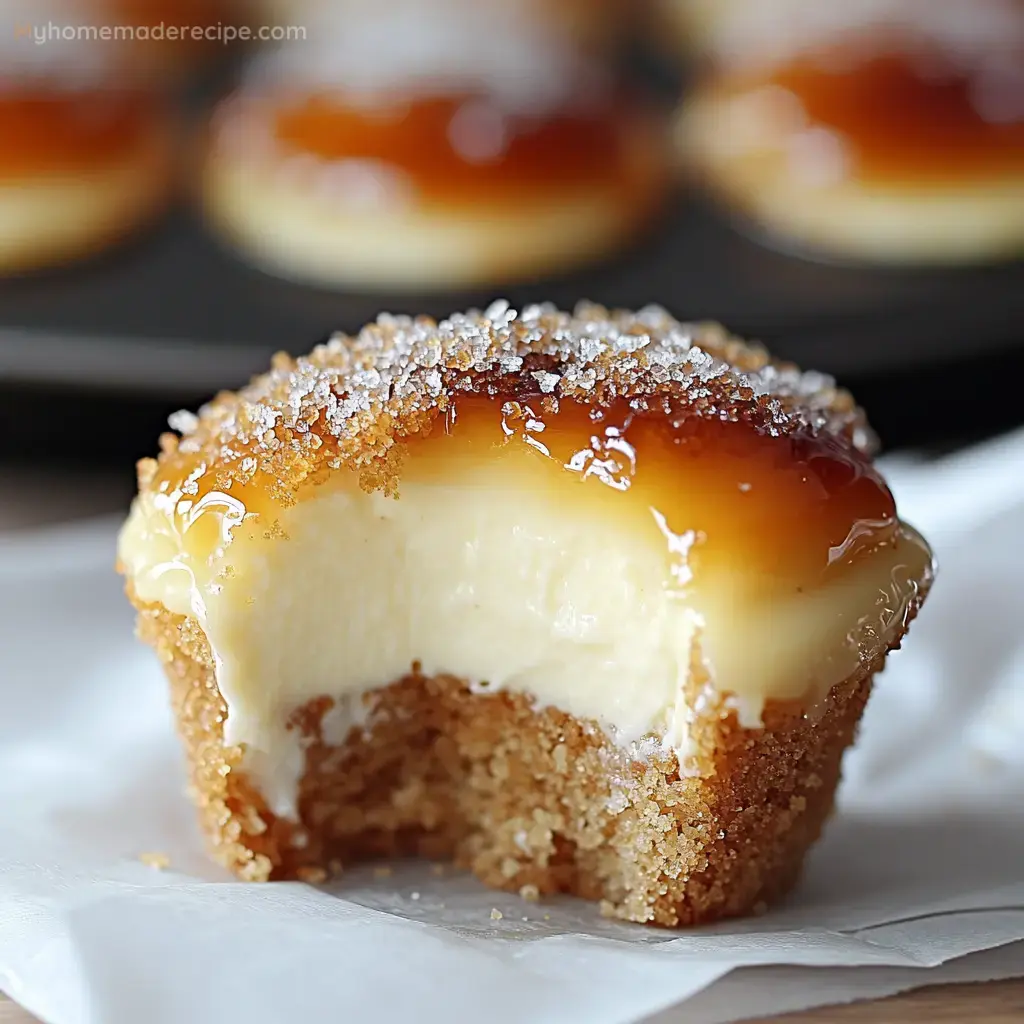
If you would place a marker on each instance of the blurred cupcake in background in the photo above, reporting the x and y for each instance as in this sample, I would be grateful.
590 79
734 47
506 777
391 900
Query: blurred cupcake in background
431 146
884 131
88 150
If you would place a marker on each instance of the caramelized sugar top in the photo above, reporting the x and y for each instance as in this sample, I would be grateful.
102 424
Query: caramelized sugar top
904 117
454 148
618 398
61 132
356 402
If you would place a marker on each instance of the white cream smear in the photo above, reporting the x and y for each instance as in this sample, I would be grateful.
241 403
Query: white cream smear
499 584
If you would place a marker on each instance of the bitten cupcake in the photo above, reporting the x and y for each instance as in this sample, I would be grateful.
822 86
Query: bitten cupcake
588 603
431 151
884 132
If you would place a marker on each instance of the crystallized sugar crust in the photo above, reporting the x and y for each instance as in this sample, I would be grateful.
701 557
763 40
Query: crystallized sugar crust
350 400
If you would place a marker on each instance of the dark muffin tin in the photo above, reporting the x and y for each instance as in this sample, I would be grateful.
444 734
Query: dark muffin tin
175 316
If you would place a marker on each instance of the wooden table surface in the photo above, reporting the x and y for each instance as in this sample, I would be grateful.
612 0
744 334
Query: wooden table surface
1000 1002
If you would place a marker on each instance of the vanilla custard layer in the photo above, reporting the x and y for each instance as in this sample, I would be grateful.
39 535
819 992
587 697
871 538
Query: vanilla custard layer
497 565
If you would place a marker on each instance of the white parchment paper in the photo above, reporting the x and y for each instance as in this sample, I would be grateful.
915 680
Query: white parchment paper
923 865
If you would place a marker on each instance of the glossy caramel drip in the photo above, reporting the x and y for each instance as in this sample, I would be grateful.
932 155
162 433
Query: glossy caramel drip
58 133
898 118
466 147
784 512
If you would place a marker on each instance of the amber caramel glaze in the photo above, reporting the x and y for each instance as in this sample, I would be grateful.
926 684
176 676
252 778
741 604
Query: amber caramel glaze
793 507
793 510
60 133
898 122
560 151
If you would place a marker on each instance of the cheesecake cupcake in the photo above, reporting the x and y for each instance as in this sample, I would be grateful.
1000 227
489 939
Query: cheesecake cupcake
441 149
883 132
587 603
88 151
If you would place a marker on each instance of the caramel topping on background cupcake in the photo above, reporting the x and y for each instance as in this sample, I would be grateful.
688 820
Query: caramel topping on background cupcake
88 153
890 132
455 144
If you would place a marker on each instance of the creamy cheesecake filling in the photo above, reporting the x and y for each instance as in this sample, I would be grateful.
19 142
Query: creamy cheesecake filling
533 565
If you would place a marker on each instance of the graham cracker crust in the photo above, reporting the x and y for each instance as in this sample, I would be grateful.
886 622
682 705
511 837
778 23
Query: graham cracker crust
524 797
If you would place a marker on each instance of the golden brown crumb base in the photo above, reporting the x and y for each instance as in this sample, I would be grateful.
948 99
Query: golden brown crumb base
524 797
